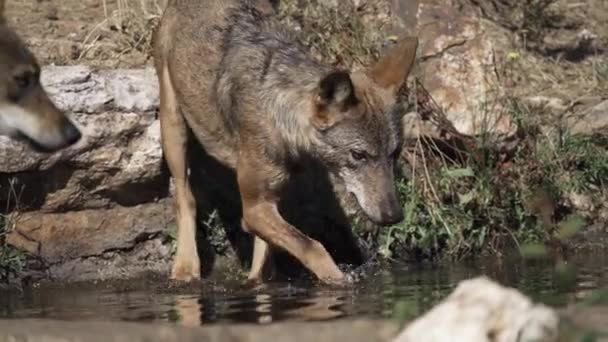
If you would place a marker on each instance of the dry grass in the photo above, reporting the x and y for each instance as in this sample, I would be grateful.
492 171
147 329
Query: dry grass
562 44
127 28
569 81
344 35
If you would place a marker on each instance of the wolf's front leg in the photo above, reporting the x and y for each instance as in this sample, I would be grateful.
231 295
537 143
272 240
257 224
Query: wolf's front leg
263 219
261 263
260 180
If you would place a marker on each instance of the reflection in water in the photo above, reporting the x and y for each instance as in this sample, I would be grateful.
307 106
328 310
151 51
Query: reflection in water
318 308
414 289
189 310
264 308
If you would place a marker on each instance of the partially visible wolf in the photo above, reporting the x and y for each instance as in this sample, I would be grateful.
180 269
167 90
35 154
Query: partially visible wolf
259 104
25 109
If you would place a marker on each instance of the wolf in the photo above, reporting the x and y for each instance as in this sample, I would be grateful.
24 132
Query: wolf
26 112
256 101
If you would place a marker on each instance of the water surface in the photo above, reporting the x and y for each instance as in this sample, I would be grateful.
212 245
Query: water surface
385 292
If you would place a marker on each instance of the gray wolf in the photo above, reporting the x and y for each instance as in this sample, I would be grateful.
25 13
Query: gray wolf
26 112
258 103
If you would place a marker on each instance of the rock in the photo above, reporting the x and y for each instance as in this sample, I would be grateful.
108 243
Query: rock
554 105
119 160
581 202
456 60
79 89
56 237
146 257
97 244
589 122
101 194
479 310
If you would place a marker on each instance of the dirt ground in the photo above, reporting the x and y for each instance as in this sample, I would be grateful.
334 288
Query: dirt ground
118 33
109 34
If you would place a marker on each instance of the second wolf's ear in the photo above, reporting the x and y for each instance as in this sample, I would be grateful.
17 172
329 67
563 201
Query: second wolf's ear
335 95
392 69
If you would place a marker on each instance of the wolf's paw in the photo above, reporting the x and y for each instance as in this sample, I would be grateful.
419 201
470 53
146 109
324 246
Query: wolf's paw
186 270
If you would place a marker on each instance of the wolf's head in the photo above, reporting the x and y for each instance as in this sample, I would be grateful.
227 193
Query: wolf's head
25 109
358 126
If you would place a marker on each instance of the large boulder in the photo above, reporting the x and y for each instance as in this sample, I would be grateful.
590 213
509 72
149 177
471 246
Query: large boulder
457 61
84 205
118 160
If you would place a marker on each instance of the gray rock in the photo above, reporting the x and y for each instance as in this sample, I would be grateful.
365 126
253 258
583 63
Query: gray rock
120 148
75 88
79 89
100 194
589 122
133 90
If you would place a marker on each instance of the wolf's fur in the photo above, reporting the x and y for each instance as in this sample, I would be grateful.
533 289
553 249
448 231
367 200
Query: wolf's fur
25 109
259 104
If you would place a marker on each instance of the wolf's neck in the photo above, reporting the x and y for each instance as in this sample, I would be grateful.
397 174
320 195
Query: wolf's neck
291 110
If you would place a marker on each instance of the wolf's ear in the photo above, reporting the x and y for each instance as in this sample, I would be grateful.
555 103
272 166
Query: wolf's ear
392 69
335 95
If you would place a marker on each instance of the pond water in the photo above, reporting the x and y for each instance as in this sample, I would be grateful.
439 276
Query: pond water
385 292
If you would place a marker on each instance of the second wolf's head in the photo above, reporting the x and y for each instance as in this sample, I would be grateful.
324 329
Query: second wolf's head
357 122
26 111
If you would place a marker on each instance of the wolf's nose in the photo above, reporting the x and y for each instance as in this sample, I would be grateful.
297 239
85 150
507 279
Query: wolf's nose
393 216
392 212
71 133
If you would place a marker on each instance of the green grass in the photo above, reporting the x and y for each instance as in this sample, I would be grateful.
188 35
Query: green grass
11 260
459 207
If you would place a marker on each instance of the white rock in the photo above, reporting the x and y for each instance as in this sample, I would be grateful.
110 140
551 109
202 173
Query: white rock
480 310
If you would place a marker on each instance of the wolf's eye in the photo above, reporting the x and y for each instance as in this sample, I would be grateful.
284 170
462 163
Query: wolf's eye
24 80
358 155
21 84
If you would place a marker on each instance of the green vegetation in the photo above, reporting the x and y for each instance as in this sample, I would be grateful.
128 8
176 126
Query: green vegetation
463 195
482 200
11 260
